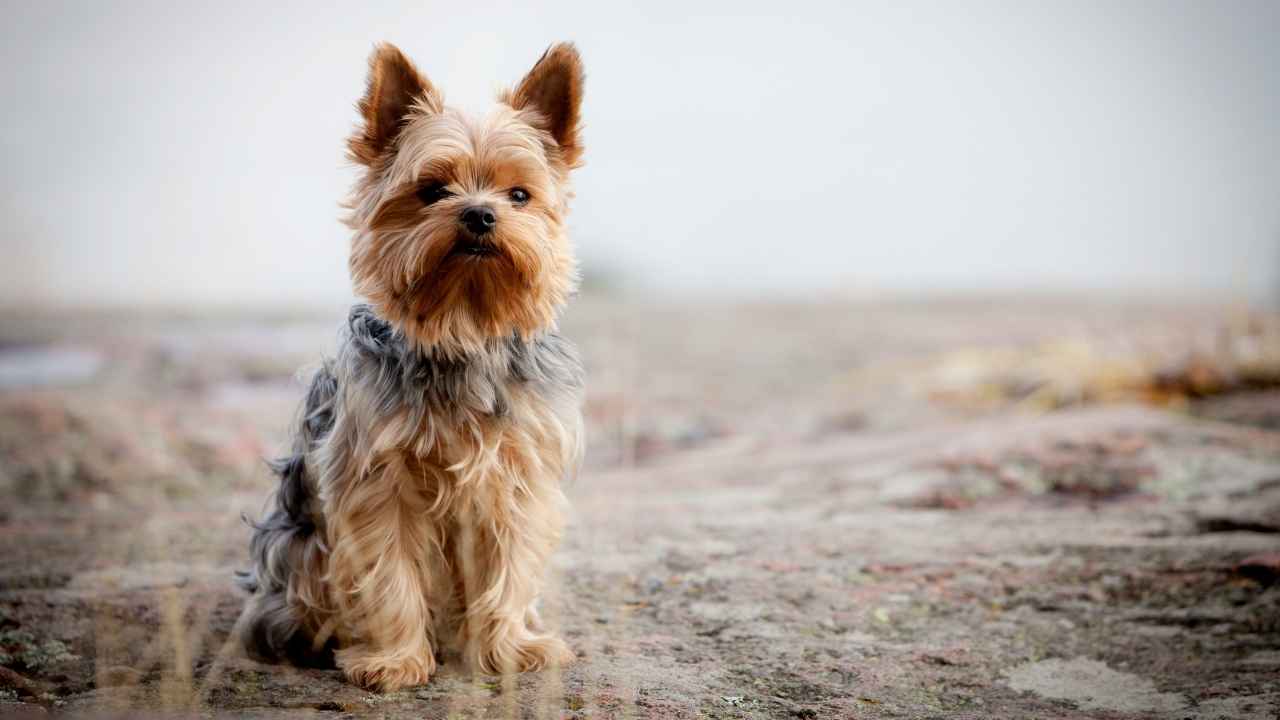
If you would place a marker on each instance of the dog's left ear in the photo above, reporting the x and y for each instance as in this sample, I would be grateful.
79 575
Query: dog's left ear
554 89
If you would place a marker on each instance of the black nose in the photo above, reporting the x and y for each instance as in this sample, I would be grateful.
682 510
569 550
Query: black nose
479 219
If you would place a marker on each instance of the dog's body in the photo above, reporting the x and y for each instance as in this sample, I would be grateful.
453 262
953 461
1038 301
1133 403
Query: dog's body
422 498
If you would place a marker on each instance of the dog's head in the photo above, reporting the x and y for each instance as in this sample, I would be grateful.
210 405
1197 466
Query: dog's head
459 220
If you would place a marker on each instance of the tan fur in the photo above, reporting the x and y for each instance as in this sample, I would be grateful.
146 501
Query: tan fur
435 532
430 546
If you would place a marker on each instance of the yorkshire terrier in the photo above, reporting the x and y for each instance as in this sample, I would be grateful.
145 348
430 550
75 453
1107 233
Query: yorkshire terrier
422 498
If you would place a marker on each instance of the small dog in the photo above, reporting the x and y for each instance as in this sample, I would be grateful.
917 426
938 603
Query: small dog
422 498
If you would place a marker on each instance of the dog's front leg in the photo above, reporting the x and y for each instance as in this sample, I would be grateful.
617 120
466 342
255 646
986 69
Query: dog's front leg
507 533
380 542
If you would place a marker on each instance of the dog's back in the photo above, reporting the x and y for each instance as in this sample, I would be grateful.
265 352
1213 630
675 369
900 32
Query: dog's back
287 543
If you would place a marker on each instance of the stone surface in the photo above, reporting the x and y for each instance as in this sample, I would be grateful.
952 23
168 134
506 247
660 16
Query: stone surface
910 509
1091 685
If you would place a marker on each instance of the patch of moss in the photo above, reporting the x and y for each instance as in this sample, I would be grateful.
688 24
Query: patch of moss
19 648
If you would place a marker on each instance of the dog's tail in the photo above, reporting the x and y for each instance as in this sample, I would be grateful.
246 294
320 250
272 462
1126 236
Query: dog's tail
287 551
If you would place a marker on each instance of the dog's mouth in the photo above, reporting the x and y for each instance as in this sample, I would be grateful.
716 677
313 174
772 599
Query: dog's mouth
473 247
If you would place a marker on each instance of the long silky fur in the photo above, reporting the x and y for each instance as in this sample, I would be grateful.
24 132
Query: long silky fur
285 540
378 373
422 498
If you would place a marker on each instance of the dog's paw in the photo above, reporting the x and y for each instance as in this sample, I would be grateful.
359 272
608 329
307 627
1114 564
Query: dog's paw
382 673
524 654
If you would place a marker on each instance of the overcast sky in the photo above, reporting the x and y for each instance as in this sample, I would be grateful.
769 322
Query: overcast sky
182 153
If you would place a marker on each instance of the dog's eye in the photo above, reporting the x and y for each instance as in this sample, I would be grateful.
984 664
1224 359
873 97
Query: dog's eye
433 192
519 196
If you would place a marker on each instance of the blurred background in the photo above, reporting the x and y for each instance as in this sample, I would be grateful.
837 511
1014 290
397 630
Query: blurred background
933 350
176 153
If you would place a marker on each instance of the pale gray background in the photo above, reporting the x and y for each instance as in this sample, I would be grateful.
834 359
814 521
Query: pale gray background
186 153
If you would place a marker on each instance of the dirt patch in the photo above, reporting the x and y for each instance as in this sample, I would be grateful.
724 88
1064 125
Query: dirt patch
82 448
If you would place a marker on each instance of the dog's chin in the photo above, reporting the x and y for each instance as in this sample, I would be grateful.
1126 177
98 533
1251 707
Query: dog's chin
474 279
472 291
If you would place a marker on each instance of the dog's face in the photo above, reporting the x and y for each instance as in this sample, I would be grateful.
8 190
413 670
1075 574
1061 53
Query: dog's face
459 221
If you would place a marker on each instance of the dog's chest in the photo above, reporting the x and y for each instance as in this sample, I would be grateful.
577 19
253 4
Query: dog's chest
517 404
508 430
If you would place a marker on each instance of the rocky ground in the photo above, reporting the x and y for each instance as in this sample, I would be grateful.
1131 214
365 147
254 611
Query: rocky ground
999 508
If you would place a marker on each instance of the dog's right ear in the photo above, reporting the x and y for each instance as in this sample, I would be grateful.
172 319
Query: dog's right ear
395 86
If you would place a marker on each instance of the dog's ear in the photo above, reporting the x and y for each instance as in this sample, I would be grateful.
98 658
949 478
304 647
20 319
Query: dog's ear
553 88
395 85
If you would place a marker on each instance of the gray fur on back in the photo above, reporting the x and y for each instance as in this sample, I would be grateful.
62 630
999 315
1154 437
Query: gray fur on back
397 377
